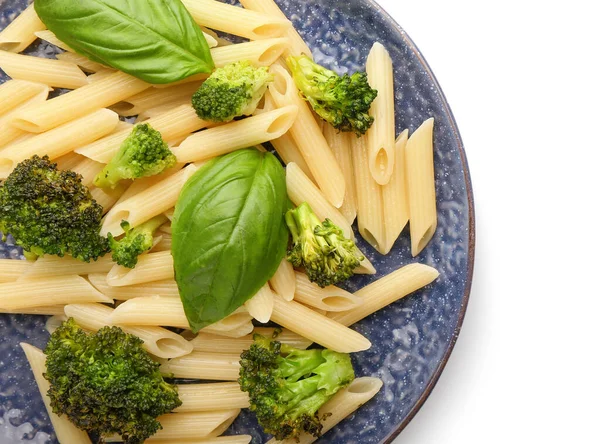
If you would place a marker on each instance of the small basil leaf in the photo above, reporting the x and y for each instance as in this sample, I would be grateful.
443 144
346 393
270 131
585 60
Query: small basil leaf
154 40
229 234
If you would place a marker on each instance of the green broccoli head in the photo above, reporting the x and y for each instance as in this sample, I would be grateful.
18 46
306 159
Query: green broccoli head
287 386
144 153
231 91
49 211
343 101
105 382
320 248
136 241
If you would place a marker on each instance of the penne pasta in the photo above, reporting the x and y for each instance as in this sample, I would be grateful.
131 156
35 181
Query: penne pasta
97 95
310 140
260 306
49 310
283 281
20 33
49 266
193 425
145 205
172 125
166 288
154 97
15 92
65 431
236 135
386 290
259 52
158 341
164 244
382 133
150 267
269 7
420 178
11 269
60 140
235 20
60 290
340 406
51 38
107 198
55 73
55 321
368 197
83 62
68 161
395 197
232 439
341 146
207 342
330 299
209 397
88 169
203 365
9 133
316 327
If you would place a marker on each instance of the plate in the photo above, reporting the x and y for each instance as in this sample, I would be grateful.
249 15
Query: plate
413 338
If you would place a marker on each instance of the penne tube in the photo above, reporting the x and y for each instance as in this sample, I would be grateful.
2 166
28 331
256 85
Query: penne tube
368 197
158 341
235 20
149 203
49 266
60 140
395 197
20 33
236 135
55 73
88 169
232 439
68 161
330 299
213 396
165 244
386 290
340 406
107 198
207 342
382 133
166 288
9 133
154 97
310 140
65 431
260 306
210 40
203 365
172 125
366 267
11 269
193 425
97 95
15 92
144 183
51 38
316 327
269 7
55 321
100 75
83 62
420 179
60 290
283 281
150 267
341 146
49 310
259 52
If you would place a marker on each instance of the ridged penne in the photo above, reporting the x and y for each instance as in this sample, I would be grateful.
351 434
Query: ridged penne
154 97
51 38
382 133
68 161
206 366
236 135
260 306
341 146
231 439
192 425
20 33
83 62
210 397
235 20
55 73
159 341
11 269
49 266
207 342
258 52
9 133
166 288
15 92
420 178
106 198
330 298
386 290
49 310
88 169
283 281
150 267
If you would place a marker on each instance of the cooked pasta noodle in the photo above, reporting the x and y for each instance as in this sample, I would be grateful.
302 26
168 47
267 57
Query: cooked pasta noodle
150 267
258 52
153 97
11 270
212 396
20 33
48 266
260 306
330 298
204 365
15 92
166 288
341 146
283 281
192 425
51 38
207 342
83 62
9 133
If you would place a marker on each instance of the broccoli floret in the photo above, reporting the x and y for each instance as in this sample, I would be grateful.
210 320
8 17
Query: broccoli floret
105 382
49 211
231 91
343 101
136 241
144 153
321 249
287 386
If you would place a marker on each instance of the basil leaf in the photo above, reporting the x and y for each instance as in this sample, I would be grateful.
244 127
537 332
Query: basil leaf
154 40
229 234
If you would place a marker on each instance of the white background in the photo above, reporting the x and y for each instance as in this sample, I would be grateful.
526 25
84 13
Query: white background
522 78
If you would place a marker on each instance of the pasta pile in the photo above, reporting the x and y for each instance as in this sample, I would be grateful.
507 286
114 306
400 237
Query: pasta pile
381 180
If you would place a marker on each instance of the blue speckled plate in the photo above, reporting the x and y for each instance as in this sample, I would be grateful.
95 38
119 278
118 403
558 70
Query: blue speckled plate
413 338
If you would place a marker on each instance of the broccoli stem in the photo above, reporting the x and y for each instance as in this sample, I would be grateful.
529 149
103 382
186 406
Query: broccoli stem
108 178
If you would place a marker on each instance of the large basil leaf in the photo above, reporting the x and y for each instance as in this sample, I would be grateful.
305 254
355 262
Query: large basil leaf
154 40
229 234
